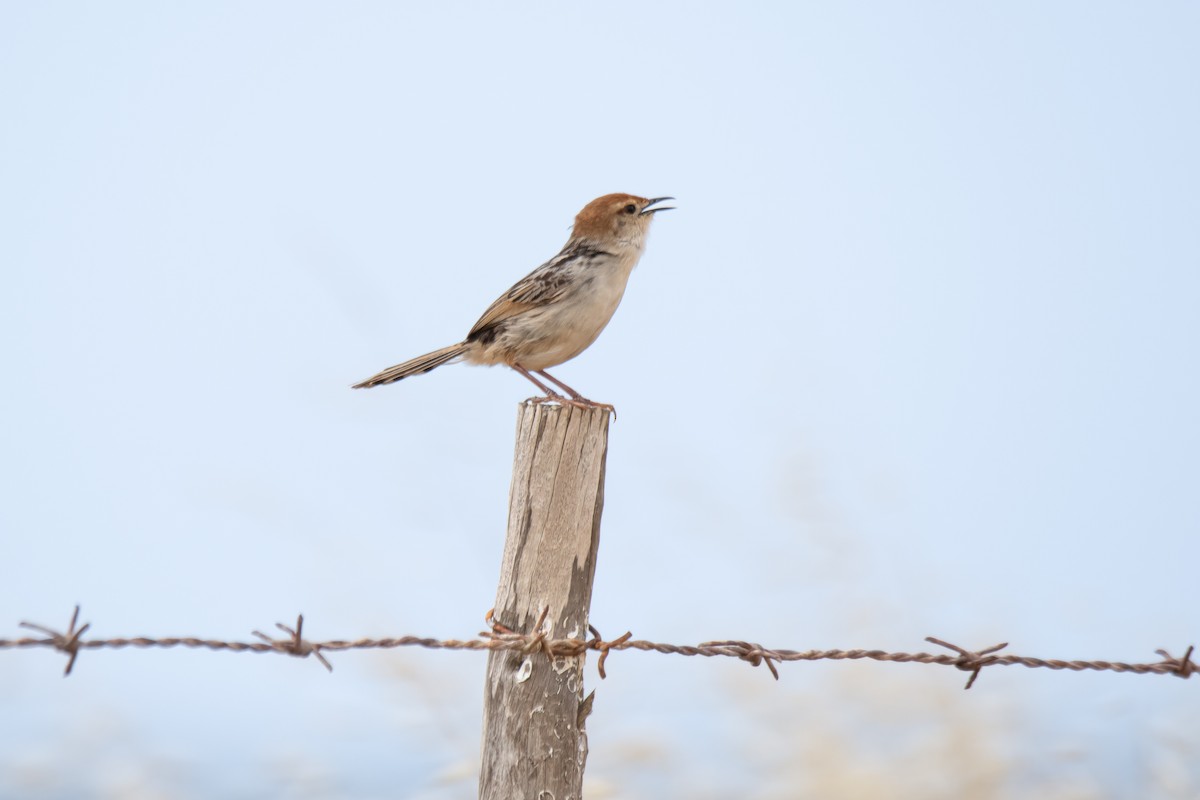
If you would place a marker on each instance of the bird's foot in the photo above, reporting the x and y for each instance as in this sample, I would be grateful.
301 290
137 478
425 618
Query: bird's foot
579 401
547 399
576 402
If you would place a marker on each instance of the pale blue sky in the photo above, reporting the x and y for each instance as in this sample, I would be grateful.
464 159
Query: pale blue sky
916 355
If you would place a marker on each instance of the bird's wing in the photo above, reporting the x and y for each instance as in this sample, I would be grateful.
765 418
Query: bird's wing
545 285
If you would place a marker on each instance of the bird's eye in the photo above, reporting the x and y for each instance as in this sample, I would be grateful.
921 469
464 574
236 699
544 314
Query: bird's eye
629 209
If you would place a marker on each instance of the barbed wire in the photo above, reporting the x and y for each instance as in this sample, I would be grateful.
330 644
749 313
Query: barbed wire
500 637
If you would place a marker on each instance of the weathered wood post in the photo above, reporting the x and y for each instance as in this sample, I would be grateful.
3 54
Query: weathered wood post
534 746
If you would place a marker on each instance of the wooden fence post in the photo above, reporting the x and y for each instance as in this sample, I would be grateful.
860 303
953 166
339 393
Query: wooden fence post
534 745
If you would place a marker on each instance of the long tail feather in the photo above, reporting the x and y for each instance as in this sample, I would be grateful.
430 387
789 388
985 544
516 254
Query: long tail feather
415 366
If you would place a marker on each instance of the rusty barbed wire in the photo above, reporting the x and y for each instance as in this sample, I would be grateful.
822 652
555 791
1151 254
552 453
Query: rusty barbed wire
500 637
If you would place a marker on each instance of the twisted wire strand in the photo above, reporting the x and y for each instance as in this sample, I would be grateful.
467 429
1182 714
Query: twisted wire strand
501 638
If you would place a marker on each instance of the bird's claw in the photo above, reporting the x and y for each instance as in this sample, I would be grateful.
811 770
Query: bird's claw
576 402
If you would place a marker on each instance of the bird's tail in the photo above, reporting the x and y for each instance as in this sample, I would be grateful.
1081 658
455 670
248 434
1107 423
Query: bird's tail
415 366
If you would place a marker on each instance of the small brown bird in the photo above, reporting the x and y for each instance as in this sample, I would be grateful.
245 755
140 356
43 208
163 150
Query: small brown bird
555 312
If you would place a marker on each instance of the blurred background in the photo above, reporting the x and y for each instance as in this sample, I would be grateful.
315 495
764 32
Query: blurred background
915 356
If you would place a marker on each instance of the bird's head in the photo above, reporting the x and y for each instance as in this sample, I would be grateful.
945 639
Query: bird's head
618 219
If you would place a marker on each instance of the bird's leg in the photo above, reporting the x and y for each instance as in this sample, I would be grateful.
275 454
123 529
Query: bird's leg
574 394
551 395
577 399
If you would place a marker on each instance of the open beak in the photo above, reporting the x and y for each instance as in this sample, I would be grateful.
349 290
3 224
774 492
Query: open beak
649 210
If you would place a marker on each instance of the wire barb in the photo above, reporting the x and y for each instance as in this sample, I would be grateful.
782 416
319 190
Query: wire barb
598 643
296 645
539 640
971 661
1180 667
755 654
494 624
66 642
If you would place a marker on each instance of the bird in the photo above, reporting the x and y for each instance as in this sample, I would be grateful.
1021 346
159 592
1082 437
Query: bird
555 312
